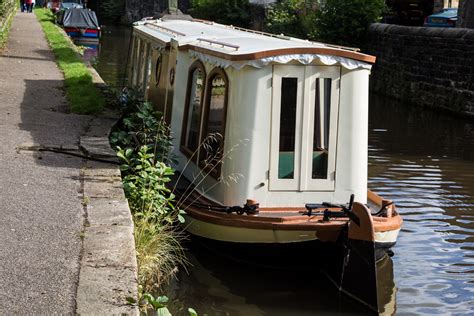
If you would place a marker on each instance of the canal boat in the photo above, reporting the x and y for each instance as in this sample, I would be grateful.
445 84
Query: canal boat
271 140
80 24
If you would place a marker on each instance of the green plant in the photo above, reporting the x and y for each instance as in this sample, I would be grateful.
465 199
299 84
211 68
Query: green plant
159 305
143 145
142 125
345 22
7 12
112 10
234 12
291 17
145 184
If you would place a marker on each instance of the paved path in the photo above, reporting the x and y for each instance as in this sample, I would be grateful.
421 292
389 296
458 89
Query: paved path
41 215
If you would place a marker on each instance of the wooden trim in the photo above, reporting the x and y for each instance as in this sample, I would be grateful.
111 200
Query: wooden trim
196 65
283 51
216 171
364 230
383 224
245 221
380 224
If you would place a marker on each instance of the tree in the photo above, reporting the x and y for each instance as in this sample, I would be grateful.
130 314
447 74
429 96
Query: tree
291 17
345 22
232 12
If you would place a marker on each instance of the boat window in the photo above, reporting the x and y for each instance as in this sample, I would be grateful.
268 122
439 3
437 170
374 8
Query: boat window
214 121
193 109
322 113
158 69
305 107
135 61
147 71
286 157
141 70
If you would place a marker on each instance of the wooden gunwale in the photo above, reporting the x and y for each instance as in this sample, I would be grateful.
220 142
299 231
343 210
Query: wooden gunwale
293 222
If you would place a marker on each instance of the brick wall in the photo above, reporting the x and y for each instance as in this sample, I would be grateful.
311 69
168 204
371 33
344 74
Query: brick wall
425 66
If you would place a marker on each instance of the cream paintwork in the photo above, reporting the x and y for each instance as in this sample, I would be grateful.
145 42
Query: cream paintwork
249 235
389 236
245 235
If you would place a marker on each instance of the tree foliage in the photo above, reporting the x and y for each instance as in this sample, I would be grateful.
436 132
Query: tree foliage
343 22
232 12
291 17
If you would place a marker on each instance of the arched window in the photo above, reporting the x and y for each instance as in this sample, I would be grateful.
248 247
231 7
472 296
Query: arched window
193 110
214 120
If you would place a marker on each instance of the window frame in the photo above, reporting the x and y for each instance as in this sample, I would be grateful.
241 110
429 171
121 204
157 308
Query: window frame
305 125
215 172
185 150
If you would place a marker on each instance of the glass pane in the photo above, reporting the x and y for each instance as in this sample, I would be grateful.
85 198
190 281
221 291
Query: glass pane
158 70
322 113
286 155
194 110
141 70
214 142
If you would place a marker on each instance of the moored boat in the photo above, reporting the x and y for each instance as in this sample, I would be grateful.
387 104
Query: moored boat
80 24
271 141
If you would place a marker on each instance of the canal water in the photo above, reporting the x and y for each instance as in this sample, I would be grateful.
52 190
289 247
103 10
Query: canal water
421 159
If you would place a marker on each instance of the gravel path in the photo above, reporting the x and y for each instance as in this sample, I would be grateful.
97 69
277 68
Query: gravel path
41 215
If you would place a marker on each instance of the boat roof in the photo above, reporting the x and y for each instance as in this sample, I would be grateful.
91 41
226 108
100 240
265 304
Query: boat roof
75 17
237 44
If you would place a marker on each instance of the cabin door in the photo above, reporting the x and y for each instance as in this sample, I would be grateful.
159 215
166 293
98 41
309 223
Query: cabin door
305 110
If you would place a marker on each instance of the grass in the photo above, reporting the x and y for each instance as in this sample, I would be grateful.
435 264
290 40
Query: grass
159 252
7 13
83 96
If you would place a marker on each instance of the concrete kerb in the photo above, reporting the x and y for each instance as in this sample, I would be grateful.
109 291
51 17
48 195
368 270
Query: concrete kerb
108 273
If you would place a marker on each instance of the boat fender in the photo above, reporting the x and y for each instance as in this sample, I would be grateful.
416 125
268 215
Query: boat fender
249 209
384 210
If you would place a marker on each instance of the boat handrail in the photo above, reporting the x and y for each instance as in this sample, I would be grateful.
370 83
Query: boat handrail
173 32
223 44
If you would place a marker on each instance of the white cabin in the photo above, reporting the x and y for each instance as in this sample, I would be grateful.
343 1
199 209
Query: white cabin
292 115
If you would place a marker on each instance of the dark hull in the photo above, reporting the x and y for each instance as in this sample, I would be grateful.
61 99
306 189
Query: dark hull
351 265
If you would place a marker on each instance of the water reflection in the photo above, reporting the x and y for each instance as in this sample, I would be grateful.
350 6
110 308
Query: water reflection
111 59
216 285
424 161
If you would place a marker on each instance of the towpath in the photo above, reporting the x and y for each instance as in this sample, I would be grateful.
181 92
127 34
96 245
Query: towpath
42 209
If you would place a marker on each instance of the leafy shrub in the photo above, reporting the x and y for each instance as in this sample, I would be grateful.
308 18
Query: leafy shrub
141 126
232 12
289 17
345 22
112 10
144 146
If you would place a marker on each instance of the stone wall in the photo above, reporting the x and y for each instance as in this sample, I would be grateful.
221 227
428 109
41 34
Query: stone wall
425 66
466 14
